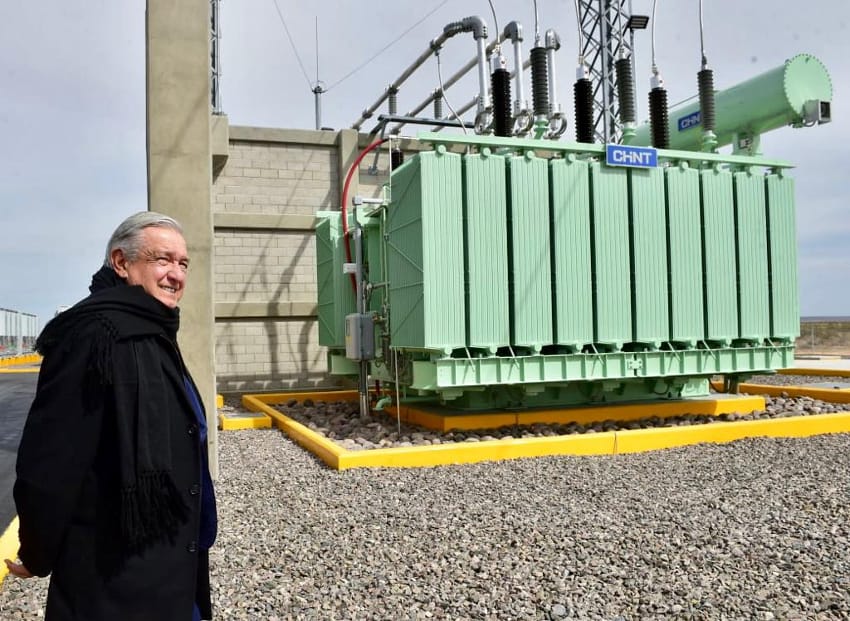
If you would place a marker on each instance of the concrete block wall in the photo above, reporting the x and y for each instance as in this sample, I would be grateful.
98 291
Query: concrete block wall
269 354
264 265
274 178
265 194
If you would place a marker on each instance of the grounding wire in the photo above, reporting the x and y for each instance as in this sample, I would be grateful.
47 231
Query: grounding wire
702 39
386 47
495 21
580 35
292 43
654 65
442 90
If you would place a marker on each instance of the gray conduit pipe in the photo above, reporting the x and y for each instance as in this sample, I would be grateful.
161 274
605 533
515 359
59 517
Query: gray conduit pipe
473 24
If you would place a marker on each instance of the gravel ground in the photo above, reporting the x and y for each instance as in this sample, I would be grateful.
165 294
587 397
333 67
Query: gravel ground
754 529
339 421
797 380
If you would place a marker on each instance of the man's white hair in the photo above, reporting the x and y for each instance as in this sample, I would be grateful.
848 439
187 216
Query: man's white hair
128 236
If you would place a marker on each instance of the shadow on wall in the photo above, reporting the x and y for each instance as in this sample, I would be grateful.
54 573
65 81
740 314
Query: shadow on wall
280 382
294 366
304 332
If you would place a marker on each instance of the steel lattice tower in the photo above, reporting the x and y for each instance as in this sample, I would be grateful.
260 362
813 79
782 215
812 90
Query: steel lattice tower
600 22
215 57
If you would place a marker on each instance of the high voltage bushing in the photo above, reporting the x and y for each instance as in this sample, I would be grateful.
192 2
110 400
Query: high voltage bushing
705 79
658 118
626 90
539 81
583 91
438 104
501 86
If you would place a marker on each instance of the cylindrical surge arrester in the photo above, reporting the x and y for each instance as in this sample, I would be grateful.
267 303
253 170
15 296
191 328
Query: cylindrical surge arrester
705 83
501 95
539 82
705 80
626 90
583 92
658 116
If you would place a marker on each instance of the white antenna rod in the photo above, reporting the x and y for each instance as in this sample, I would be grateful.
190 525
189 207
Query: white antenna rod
318 89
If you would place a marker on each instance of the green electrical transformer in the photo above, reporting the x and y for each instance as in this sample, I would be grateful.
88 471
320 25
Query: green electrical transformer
514 273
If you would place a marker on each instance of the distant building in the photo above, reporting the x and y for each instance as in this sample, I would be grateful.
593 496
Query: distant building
18 332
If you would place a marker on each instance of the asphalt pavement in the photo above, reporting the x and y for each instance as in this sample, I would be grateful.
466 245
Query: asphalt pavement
16 394
840 363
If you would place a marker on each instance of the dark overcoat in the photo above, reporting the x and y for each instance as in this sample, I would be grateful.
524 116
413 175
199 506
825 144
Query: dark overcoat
67 488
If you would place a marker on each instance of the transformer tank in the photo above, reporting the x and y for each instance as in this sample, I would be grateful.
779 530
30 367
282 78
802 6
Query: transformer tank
513 273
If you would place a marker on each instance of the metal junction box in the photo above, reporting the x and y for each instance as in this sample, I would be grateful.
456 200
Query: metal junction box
359 336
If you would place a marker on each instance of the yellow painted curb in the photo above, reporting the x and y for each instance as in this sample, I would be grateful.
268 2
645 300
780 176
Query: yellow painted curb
474 452
323 395
607 443
232 423
235 423
8 547
16 360
641 440
822 372
830 395
29 370
582 415
339 458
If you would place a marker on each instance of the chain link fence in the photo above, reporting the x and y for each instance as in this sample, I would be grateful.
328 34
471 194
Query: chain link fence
824 335
18 332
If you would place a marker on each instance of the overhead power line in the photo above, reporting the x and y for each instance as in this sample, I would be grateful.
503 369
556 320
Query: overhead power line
292 43
386 47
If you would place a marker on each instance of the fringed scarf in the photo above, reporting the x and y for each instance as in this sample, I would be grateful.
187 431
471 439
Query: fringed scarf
152 508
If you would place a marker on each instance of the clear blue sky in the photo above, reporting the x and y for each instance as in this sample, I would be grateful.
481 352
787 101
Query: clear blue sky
72 114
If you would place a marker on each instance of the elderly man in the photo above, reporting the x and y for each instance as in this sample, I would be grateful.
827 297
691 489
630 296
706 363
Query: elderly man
113 490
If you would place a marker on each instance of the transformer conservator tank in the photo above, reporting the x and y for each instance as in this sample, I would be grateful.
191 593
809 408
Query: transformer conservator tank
797 93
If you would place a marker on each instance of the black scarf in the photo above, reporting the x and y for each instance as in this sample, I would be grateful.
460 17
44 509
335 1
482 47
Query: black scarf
152 508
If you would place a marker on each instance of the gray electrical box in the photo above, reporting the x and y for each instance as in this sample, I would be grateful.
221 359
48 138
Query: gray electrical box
817 111
359 337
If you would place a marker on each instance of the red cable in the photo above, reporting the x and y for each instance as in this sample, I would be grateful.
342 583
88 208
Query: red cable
344 209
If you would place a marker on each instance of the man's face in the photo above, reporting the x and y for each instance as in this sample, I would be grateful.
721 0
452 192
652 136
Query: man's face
161 266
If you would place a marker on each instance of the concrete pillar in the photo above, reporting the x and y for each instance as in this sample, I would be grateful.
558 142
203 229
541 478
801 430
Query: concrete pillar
180 170
348 152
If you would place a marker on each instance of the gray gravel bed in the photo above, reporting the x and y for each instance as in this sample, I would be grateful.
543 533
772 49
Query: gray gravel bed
796 380
755 529
743 531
